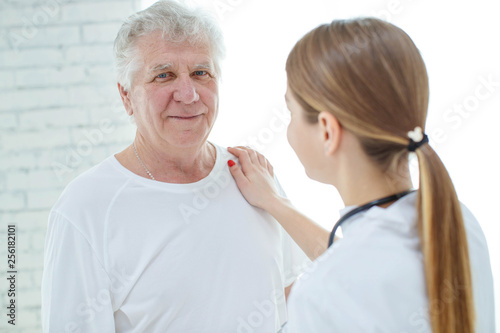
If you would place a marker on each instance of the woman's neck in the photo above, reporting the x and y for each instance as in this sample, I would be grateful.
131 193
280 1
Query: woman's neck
364 182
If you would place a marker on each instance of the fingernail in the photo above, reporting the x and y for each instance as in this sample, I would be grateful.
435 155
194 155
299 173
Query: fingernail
230 163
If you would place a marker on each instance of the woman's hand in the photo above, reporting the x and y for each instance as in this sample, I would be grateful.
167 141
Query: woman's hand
255 177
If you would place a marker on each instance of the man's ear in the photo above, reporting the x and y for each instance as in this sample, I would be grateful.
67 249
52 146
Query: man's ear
124 94
330 131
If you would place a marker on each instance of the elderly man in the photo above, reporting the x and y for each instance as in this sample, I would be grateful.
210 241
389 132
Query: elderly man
158 238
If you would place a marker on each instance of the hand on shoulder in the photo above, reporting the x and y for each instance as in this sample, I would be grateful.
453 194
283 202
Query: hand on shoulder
254 177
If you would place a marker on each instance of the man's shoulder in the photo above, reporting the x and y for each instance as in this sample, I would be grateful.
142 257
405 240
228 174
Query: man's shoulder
223 151
93 188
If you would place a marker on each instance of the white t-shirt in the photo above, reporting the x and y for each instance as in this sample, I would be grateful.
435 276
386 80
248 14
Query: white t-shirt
128 254
373 280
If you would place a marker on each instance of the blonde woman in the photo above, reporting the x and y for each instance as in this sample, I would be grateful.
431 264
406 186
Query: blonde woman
409 260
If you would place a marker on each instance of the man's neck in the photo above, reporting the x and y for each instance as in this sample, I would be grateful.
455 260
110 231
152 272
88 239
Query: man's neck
170 165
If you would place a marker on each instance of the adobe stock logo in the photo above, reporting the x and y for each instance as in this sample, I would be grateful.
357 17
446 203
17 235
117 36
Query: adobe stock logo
41 17
87 310
221 7
263 310
420 319
92 137
277 124
454 116
202 198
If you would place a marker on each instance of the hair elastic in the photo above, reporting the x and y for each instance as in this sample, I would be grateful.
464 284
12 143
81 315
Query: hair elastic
417 138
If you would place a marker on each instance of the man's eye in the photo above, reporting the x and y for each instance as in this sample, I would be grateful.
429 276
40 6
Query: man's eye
162 76
200 73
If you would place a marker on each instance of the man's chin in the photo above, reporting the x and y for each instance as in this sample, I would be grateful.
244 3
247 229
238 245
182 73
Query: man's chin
188 139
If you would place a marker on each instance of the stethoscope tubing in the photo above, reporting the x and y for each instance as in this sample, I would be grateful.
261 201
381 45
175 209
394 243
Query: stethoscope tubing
364 207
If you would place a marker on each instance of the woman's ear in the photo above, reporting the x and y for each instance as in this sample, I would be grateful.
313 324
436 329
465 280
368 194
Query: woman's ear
124 94
330 131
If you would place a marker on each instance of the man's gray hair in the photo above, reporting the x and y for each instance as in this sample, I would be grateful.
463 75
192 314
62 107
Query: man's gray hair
178 22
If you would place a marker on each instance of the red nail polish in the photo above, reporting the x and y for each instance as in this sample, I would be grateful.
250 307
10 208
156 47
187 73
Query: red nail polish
230 163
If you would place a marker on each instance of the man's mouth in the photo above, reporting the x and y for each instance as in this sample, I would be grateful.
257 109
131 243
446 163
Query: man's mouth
186 117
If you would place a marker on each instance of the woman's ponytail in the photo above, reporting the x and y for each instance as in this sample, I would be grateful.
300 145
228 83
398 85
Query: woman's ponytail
444 247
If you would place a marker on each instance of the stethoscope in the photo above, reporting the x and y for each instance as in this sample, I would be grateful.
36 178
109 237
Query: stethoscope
364 207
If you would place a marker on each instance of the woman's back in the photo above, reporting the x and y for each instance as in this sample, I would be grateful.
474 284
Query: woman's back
373 280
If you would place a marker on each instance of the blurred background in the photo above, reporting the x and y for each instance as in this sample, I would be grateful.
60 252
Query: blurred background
60 111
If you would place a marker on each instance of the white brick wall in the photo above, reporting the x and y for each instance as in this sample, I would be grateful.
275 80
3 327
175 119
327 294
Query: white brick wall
60 114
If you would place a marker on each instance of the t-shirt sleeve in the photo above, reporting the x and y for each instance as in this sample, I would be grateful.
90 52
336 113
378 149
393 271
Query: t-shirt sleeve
75 287
295 261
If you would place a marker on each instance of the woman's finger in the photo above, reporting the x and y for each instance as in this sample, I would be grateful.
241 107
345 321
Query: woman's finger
243 157
236 151
270 168
238 175
251 153
262 159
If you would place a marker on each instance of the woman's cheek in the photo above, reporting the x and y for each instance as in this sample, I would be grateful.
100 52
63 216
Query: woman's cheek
289 135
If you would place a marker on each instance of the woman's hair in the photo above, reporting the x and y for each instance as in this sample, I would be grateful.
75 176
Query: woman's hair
370 75
178 23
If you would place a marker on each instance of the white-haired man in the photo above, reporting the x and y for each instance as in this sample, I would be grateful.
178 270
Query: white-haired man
157 238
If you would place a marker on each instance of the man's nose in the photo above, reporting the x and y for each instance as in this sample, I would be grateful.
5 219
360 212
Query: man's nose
185 90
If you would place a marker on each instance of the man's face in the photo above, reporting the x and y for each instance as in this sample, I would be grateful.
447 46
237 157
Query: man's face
174 94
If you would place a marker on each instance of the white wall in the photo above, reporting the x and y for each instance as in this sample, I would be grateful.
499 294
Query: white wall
59 114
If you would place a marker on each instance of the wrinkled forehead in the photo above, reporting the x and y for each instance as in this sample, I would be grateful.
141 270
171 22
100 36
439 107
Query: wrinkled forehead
153 50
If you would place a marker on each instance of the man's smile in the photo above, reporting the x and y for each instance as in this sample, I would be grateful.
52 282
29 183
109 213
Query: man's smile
186 117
